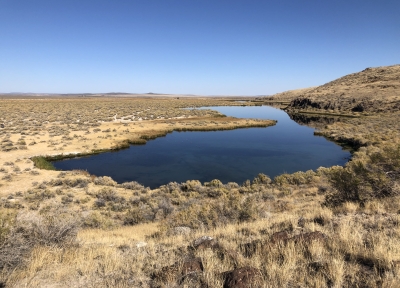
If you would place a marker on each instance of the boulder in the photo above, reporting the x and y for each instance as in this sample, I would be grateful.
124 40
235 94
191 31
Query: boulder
243 278
205 242
179 270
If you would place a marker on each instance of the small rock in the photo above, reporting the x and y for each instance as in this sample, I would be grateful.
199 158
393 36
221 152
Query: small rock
200 240
141 244
179 270
191 266
243 278
181 230
206 242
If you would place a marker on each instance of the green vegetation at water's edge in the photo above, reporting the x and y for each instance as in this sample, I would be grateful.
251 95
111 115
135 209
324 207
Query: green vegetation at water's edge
42 163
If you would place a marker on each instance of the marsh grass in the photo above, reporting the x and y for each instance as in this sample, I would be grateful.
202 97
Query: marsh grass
42 163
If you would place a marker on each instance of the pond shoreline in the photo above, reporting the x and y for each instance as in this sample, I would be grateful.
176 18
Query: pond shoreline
196 163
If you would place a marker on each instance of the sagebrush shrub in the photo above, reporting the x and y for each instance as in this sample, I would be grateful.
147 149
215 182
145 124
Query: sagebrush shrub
374 176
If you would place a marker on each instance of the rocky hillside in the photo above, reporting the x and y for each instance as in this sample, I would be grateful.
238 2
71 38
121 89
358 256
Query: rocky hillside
371 90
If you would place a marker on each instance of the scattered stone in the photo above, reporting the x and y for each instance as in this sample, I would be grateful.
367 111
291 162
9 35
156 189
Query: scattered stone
206 242
2 125
191 266
243 278
141 244
181 230
179 270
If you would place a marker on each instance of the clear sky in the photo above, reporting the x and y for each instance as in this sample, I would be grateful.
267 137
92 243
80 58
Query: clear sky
206 47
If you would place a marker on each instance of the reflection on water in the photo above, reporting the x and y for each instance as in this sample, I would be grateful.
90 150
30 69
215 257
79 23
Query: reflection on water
313 120
231 156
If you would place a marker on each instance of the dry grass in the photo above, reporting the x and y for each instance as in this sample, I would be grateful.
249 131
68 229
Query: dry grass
131 236
371 90
351 255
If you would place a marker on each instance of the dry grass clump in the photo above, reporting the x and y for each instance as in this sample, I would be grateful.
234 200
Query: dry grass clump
55 228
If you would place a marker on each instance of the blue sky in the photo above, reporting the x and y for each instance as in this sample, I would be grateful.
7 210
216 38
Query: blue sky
205 47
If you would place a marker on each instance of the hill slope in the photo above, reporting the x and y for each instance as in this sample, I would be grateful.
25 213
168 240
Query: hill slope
371 90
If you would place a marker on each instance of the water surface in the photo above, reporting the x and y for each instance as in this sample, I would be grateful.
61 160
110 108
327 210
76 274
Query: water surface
230 156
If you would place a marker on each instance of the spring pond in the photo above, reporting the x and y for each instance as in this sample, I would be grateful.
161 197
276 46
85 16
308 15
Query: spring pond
230 156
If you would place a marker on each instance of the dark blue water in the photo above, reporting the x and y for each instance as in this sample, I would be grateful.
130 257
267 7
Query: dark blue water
230 156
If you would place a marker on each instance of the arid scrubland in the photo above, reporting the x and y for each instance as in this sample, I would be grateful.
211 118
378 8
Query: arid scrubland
333 227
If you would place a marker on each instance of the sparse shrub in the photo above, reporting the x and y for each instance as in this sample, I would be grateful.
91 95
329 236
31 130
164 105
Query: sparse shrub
43 185
171 187
133 185
105 180
62 174
108 194
166 206
97 220
214 183
55 227
365 179
7 220
66 199
296 178
322 189
77 182
262 179
214 193
246 183
35 172
138 215
56 182
231 185
7 177
39 195
191 185
98 203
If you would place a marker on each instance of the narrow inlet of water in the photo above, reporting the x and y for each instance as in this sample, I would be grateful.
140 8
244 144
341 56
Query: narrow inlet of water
230 156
